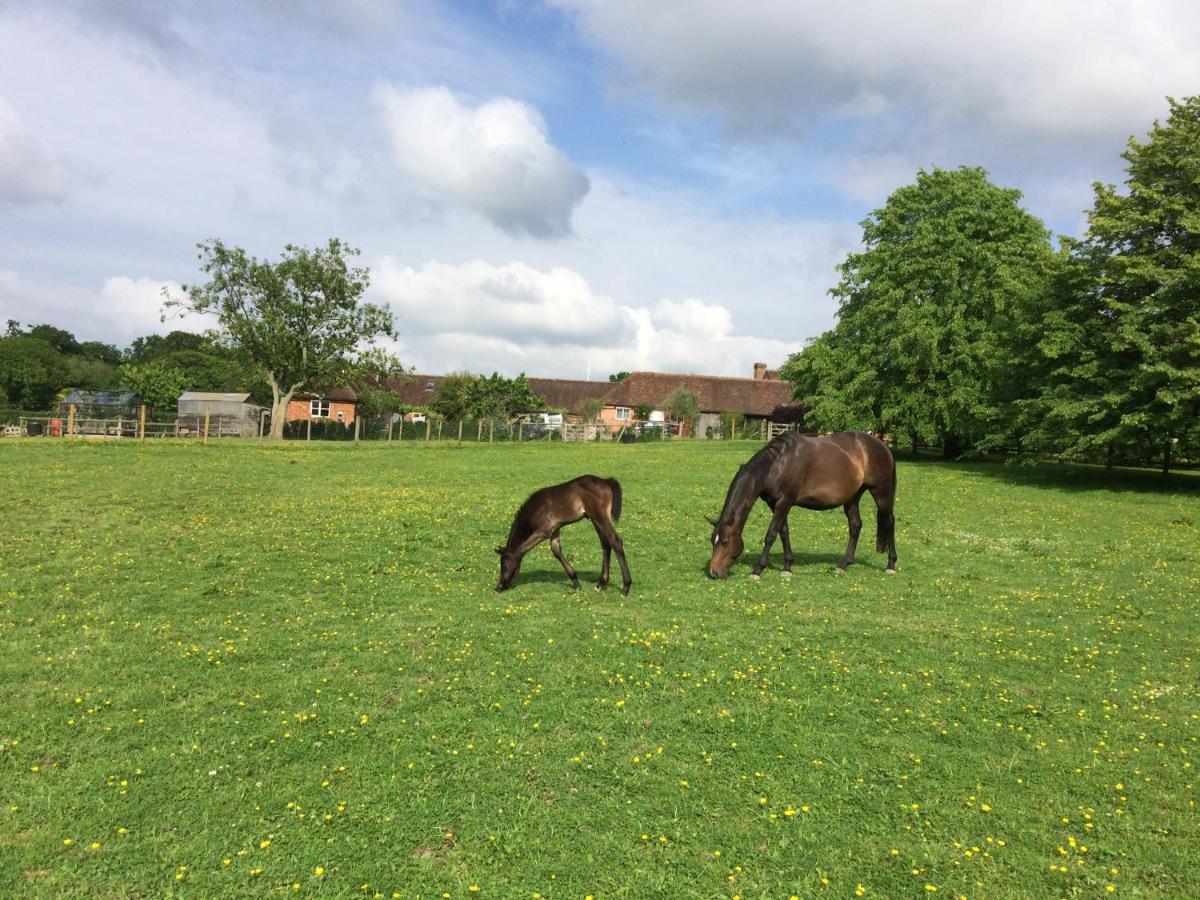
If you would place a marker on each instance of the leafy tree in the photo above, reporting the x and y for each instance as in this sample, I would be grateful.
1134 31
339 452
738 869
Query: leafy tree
642 412
300 320
32 372
497 397
592 407
93 374
925 312
157 383
1139 383
60 340
452 399
682 405
152 346
374 372
618 376
100 352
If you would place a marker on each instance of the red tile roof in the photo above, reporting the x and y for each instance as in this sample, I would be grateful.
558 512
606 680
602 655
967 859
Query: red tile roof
750 396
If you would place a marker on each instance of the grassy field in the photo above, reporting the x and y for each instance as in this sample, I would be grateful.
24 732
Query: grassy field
282 670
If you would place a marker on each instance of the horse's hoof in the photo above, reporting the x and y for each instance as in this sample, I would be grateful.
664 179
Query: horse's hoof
753 576
786 573
889 571
601 587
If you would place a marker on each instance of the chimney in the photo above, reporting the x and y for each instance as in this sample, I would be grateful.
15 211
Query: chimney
760 371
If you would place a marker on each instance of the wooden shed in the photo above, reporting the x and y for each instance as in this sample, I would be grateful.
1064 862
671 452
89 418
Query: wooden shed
228 415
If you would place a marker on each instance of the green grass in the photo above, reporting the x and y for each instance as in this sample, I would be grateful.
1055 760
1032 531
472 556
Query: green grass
262 669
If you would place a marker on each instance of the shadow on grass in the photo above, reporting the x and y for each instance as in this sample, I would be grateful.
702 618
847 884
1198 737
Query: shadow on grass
1066 476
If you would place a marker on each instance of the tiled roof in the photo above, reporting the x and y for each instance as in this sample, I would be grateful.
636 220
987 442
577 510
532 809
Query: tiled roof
751 396
563 393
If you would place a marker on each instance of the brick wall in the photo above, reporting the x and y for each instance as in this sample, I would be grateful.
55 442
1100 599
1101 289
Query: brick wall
299 410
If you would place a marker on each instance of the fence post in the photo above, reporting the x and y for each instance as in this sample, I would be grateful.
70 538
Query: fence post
71 421
491 430
460 424
207 415
390 424
308 434
479 431
142 422
357 427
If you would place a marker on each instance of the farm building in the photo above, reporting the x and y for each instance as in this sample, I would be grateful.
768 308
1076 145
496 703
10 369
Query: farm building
337 404
101 404
763 397
228 415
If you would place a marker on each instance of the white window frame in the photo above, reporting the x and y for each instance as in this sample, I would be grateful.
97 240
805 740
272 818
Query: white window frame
318 409
623 413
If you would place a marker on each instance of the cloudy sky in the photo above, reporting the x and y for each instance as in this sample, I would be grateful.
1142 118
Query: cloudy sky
553 186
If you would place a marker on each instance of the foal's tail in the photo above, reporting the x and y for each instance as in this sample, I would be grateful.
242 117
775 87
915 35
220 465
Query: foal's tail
616 497
885 519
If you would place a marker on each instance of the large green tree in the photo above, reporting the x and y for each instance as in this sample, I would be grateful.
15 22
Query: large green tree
1139 311
32 372
302 320
925 312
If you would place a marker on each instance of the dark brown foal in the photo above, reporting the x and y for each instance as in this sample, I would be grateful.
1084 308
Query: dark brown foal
814 473
546 511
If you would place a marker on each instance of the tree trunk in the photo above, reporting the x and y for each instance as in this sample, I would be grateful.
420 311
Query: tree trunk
279 404
1166 462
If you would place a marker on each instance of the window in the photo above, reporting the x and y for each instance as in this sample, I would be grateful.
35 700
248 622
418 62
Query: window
318 409
341 415
622 413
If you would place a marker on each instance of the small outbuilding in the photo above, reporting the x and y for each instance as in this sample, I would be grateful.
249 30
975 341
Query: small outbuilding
228 415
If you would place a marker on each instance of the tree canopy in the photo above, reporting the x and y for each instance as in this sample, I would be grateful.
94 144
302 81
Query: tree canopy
301 320
926 311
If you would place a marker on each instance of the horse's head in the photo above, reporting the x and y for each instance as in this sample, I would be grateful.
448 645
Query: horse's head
726 547
510 564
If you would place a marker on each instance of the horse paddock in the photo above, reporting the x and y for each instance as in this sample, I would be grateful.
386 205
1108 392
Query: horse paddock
308 685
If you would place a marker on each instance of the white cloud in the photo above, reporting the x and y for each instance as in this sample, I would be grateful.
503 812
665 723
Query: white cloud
28 173
494 158
121 309
1023 70
481 317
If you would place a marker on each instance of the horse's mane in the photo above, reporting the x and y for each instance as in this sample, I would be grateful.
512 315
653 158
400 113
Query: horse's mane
747 483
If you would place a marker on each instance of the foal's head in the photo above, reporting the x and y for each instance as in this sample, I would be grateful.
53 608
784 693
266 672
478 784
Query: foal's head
510 564
727 546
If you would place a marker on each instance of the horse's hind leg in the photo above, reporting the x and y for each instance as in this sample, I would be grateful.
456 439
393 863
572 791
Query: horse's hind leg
556 549
603 582
885 533
605 526
854 520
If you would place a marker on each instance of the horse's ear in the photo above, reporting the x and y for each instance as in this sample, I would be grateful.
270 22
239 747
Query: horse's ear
711 521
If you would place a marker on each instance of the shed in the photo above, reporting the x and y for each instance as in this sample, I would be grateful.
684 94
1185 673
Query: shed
229 415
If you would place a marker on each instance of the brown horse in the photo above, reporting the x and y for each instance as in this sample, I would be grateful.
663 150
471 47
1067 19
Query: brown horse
814 473
549 509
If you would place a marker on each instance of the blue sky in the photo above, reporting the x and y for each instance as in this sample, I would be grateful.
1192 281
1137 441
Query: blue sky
553 187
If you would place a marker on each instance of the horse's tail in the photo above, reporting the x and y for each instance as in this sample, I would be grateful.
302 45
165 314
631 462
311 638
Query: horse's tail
616 497
885 518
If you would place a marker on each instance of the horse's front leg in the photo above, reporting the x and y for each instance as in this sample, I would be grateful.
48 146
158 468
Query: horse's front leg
778 521
556 549
785 537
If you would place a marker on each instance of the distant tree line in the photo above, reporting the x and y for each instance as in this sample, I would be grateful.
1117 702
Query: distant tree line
39 363
461 396
960 325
